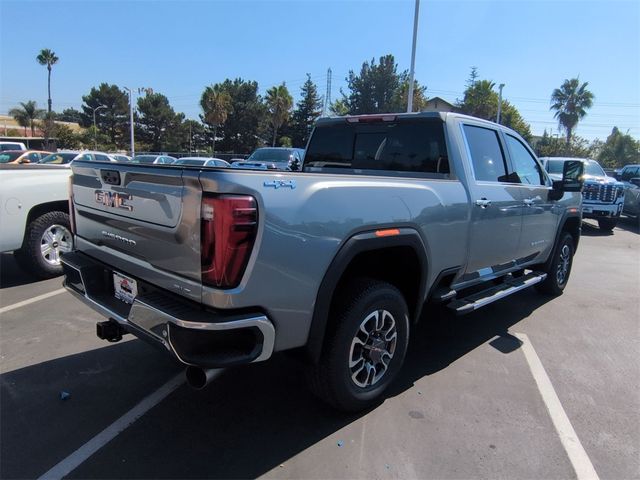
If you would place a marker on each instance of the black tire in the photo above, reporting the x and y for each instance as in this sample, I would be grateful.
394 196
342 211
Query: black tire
331 379
31 257
607 224
558 272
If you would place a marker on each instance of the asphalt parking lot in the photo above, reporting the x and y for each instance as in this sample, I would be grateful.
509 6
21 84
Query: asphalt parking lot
467 405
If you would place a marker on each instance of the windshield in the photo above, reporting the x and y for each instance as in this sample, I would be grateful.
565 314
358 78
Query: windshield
59 158
144 159
270 155
6 157
591 167
400 146
186 161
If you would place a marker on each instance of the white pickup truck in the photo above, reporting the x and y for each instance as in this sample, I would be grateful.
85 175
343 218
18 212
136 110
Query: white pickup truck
34 216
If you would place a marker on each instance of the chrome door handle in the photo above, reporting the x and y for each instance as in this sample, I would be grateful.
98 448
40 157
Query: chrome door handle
528 202
483 203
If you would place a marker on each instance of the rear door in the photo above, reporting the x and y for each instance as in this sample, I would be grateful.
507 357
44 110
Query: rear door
142 220
496 215
540 215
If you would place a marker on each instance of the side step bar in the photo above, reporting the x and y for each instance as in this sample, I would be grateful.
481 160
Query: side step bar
511 285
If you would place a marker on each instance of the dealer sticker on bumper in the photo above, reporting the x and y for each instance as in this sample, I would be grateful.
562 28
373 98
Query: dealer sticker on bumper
125 288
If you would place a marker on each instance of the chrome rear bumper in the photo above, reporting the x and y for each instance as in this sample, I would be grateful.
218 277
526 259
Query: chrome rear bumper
195 336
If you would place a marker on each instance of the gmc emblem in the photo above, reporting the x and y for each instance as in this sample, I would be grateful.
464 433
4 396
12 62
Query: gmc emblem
114 199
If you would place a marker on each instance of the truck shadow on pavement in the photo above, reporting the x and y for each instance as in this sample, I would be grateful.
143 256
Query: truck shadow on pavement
11 275
247 422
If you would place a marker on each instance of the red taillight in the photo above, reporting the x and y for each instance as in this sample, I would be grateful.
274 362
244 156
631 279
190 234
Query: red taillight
72 210
228 229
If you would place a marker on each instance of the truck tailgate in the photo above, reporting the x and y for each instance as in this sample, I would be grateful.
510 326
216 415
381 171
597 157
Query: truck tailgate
141 220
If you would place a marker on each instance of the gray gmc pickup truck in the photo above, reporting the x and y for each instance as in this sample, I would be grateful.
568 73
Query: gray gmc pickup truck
222 267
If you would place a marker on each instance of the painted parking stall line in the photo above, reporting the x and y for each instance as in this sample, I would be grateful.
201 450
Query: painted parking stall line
570 441
24 303
73 461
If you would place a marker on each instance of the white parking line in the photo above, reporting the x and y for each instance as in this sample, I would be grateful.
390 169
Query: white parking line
31 300
570 441
66 466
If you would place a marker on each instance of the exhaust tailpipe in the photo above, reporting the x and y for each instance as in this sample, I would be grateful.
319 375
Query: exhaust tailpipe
199 378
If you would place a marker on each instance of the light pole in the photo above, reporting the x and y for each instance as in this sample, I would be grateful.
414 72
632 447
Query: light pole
413 57
500 87
95 130
133 148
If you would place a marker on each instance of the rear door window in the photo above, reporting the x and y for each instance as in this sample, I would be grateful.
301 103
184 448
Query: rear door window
412 146
486 154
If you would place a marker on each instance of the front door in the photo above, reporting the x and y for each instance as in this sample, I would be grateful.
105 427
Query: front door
496 217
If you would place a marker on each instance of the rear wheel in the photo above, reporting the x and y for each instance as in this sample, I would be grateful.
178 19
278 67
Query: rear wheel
607 224
46 238
560 269
365 351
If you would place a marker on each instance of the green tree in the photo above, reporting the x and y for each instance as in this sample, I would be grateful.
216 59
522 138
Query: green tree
570 103
402 95
216 105
158 125
552 146
307 111
112 120
48 58
69 115
26 115
279 102
243 130
339 107
194 136
481 100
618 150
375 88
65 138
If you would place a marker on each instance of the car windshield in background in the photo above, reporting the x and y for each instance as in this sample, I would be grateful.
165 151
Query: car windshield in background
144 159
593 168
59 158
401 146
10 146
6 157
192 162
555 166
270 155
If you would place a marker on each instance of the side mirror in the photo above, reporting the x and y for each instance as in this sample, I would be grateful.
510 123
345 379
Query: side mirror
572 176
572 173
635 181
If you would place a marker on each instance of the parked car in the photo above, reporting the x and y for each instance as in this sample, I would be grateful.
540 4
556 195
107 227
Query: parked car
602 196
35 216
223 267
67 156
153 159
120 157
12 146
22 156
273 158
202 162
629 175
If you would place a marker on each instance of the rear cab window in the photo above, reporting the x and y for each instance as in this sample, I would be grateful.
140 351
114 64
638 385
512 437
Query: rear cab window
402 146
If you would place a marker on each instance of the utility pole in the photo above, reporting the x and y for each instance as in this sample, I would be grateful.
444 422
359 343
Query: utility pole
327 95
500 87
133 148
95 130
413 58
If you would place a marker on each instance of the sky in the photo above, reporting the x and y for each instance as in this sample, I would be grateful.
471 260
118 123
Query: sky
179 47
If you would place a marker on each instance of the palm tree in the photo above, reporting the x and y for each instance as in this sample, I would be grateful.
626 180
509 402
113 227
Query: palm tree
570 103
279 103
48 57
216 105
26 115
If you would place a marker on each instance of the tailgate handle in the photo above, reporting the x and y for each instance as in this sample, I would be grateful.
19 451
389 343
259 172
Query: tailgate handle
111 177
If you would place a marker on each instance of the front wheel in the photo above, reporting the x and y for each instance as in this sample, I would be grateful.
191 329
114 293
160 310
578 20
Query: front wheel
365 350
560 268
607 224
